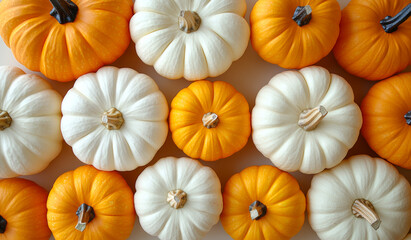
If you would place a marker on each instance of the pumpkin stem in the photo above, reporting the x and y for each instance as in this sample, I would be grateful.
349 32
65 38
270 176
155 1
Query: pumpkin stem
5 120
177 198
112 119
390 24
64 11
310 118
3 224
407 117
257 210
362 208
188 21
85 215
210 120
302 15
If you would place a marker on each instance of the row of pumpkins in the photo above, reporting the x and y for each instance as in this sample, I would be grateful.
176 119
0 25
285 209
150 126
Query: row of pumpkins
116 119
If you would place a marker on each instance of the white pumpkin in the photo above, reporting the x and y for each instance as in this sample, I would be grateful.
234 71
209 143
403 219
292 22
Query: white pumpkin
191 39
306 120
362 198
115 119
30 116
178 199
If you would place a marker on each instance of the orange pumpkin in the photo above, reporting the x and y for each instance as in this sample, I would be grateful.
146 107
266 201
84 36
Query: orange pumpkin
23 210
90 204
294 33
262 203
65 39
386 112
210 120
375 38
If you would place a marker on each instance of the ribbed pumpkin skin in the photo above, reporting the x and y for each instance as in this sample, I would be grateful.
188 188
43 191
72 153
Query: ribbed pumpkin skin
188 131
364 49
276 189
385 127
23 205
63 52
278 39
108 194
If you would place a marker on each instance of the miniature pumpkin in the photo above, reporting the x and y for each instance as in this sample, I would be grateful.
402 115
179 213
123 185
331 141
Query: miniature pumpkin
262 203
362 198
375 36
23 210
210 120
178 198
387 119
306 120
115 119
90 204
65 39
30 116
294 33
191 39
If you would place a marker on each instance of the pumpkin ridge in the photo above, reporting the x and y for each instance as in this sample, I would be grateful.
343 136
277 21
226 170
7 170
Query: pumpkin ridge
227 45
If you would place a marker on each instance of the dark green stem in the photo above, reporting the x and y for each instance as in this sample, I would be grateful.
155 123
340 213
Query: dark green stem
390 24
407 117
3 224
64 11
85 214
257 210
302 15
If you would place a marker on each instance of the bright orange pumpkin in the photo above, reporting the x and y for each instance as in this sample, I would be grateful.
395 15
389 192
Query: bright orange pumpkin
23 210
89 204
210 120
386 112
91 34
294 33
370 45
262 203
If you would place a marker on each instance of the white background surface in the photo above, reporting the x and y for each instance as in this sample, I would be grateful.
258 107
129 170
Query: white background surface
248 75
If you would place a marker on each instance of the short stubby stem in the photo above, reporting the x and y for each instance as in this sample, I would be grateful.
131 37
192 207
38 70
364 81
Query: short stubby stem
362 208
85 214
177 198
189 21
310 118
257 210
407 117
391 24
302 15
210 120
5 120
112 119
64 11
3 225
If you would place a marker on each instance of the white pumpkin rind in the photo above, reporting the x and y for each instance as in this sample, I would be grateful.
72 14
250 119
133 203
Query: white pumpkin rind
142 105
33 139
200 212
221 38
333 192
275 117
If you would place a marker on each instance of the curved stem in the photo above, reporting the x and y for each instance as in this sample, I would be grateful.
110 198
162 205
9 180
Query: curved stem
390 24
64 11
257 210
210 120
302 15
112 119
3 224
310 118
362 208
5 120
188 21
177 198
407 117
85 215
